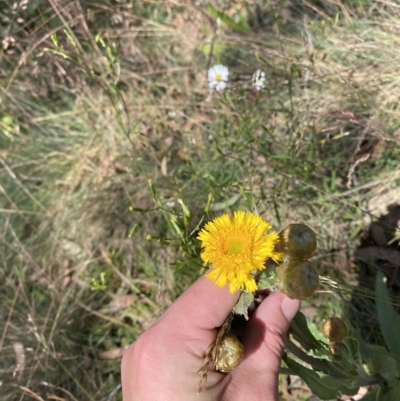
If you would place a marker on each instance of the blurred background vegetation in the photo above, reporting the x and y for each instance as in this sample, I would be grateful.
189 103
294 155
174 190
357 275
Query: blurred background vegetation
108 131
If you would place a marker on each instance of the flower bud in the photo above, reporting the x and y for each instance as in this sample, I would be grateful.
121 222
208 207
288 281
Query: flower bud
335 329
298 241
336 348
229 354
297 279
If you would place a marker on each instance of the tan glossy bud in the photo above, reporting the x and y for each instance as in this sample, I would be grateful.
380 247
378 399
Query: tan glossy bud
298 241
229 354
334 329
297 279
335 348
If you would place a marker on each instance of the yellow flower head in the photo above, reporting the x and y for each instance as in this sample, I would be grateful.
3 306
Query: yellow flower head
236 247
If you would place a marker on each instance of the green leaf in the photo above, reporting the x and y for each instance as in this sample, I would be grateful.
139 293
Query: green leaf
242 27
217 206
207 207
71 38
55 40
267 279
367 351
57 53
138 209
176 224
186 212
307 333
219 151
99 39
245 196
388 318
384 365
215 48
152 189
7 121
391 393
133 229
371 396
324 386
378 360
353 347
243 303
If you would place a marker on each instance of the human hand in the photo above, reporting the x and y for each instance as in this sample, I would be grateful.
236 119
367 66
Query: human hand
163 363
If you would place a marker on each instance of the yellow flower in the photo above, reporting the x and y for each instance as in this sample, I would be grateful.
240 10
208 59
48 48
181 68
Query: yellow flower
236 247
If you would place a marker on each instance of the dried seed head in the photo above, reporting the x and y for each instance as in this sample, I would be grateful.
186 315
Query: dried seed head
229 354
298 241
297 279
335 329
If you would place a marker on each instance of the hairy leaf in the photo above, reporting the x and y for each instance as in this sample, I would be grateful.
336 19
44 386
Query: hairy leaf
391 393
307 333
243 303
324 386
388 318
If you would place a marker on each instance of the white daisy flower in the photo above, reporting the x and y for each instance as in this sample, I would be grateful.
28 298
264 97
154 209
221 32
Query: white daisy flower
218 77
259 79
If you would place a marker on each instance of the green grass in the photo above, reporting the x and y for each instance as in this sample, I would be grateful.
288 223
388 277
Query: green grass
81 135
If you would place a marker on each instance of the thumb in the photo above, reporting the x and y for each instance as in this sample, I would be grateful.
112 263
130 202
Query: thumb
266 330
264 342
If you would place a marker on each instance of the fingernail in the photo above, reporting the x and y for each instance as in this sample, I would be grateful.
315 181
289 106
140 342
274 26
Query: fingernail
290 307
